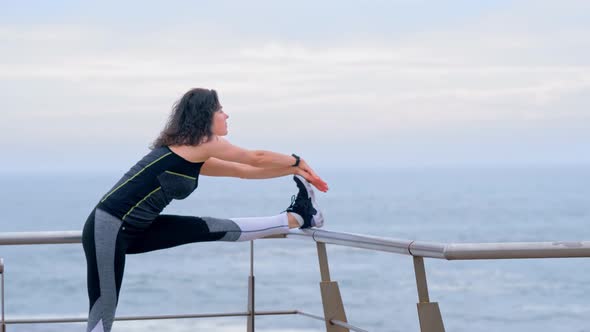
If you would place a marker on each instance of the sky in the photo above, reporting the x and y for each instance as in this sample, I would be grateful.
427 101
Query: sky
87 86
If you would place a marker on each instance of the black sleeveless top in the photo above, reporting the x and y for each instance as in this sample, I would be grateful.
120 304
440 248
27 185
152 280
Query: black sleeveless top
150 185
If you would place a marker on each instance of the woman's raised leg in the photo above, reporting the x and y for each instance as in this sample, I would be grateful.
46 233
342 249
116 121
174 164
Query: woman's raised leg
168 231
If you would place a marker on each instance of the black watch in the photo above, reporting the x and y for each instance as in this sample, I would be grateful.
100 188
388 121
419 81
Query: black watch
297 159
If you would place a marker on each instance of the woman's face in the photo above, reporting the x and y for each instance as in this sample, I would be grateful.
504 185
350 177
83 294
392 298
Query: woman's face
219 126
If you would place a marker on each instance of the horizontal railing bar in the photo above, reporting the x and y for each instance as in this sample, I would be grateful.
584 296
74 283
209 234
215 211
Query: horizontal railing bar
507 250
54 237
355 240
449 251
148 317
312 316
333 321
346 325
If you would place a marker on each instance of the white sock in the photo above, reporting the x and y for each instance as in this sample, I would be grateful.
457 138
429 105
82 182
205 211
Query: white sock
298 218
257 227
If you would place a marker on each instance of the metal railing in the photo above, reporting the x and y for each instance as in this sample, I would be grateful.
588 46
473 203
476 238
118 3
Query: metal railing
334 317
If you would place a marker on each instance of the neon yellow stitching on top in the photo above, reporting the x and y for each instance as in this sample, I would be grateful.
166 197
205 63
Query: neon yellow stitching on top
136 205
136 174
186 176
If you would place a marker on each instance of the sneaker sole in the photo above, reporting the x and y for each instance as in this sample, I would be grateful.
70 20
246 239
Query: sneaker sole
318 218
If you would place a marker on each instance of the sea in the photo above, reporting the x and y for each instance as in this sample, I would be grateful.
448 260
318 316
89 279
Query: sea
454 204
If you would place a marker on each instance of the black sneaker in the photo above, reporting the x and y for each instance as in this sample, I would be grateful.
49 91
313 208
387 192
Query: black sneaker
305 205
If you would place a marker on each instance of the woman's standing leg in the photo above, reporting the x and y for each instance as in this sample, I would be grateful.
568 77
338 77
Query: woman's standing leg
105 247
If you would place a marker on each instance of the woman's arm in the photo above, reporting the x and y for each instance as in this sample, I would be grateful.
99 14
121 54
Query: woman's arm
221 149
267 173
224 150
217 167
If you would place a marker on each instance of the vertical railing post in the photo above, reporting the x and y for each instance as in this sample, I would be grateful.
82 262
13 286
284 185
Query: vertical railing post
428 312
252 315
331 299
2 276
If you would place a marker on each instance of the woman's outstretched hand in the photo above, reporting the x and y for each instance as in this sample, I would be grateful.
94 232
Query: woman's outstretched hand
307 172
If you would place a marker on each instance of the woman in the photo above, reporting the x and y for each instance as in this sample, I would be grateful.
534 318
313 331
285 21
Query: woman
127 219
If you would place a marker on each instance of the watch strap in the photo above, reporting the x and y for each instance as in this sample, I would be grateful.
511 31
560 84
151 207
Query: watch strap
297 160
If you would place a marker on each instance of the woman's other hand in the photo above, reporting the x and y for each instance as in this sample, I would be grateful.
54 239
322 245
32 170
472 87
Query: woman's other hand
308 173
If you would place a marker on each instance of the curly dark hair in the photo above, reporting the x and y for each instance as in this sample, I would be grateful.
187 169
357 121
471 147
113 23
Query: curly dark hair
190 120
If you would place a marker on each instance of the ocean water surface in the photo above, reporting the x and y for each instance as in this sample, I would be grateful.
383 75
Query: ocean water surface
493 204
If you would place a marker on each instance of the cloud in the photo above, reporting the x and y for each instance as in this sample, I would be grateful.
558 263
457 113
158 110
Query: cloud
495 73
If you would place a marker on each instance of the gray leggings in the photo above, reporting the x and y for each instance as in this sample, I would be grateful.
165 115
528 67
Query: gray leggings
107 239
